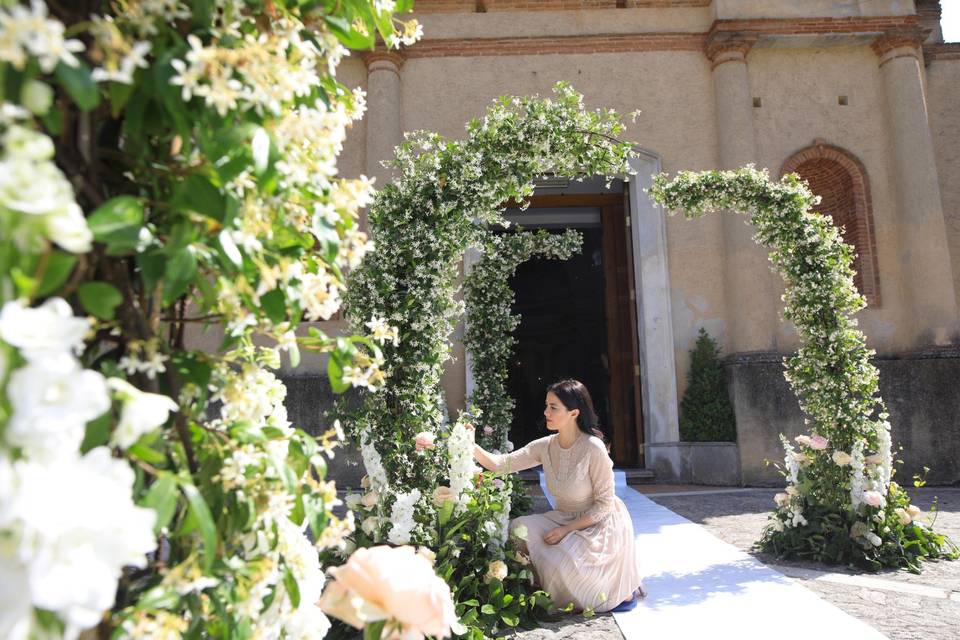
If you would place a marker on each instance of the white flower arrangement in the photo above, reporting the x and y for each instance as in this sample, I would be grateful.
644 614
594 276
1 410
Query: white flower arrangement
402 521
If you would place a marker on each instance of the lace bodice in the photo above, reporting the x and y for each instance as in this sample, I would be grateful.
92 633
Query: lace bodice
580 477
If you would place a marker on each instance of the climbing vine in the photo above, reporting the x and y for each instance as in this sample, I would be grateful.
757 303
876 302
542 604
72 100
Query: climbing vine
840 504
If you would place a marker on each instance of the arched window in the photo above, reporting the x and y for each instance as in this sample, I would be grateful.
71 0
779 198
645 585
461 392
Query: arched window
840 180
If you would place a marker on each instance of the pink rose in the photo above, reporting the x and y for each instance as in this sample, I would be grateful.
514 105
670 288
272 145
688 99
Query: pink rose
391 583
424 440
488 431
818 442
873 498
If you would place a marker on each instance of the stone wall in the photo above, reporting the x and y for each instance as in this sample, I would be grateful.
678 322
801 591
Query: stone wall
921 390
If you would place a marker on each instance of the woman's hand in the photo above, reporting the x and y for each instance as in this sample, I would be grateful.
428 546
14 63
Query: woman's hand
556 535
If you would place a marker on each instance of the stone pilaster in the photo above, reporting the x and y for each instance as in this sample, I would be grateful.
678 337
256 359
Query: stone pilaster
924 253
384 111
751 298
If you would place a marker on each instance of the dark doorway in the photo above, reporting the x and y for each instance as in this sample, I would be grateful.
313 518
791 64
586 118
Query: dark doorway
579 320
562 333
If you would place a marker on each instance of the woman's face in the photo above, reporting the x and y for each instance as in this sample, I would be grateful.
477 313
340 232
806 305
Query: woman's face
557 415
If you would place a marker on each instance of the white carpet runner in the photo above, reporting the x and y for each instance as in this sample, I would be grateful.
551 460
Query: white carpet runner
699 586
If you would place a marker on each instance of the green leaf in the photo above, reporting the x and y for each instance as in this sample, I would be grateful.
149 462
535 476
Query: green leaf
293 589
100 299
274 304
152 266
146 453
196 193
335 374
97 432
119 93
117 223
179 272
59 267
488 609
78 84
162 498
329 241
510 619
201 516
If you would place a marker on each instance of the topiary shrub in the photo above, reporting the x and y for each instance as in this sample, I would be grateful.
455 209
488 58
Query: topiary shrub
706 414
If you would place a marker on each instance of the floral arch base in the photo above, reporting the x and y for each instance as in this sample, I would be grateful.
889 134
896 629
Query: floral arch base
840 504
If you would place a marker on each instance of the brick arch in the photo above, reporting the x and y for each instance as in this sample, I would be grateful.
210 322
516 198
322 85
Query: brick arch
840 179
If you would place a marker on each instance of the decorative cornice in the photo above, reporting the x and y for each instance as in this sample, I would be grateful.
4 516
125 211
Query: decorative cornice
728 46
382 60
490 6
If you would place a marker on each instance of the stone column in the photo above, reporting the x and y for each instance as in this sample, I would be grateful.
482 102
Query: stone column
751 298
384 111
924 254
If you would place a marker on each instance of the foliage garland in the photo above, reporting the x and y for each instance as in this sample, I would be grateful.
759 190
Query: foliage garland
148 488
840 504
444 196
490 325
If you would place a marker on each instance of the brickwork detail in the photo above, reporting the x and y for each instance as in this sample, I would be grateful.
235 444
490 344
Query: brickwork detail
941 51
908 36
840 179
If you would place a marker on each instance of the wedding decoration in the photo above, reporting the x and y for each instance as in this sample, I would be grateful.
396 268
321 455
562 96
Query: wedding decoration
445 196
840 504
166 166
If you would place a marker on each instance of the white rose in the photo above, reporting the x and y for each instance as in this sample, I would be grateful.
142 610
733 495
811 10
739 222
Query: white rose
781 499
496 570
902 515
50 329
520 532
792 491
842 458
53 399
370 525
142 412
353 501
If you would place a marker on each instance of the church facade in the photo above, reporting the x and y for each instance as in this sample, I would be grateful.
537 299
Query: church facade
862 99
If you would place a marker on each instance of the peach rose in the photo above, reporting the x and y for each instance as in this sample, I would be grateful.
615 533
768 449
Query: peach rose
391 583
914 511
428 553
496 570
365 482
424 440
804 440
781 499
902 515
792 491
370 525
874 459
873 498
370 500
442 495
842 458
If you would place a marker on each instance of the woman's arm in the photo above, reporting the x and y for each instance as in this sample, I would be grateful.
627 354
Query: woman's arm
523 458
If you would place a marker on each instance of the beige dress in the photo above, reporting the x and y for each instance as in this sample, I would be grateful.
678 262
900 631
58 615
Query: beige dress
595 567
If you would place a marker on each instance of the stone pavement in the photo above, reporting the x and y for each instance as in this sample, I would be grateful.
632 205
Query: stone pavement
899 604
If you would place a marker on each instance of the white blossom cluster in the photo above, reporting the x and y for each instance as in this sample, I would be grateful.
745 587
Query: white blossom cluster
27 32
68 520
462 468
374 466
36 191
402 514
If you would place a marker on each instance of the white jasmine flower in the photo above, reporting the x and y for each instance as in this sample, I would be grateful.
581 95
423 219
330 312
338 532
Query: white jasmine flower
131 61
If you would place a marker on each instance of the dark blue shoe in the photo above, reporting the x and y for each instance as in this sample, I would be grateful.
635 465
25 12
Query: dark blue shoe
631 604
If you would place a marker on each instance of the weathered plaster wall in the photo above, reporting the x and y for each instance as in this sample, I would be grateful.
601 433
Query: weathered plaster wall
943 99
799 91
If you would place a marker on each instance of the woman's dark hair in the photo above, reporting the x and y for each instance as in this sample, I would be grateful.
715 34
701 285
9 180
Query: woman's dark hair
574 395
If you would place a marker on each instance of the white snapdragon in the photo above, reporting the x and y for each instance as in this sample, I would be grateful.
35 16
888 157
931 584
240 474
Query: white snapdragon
856 474
790 461
374 466
462 468
885 468
68 555
142 412
402 517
